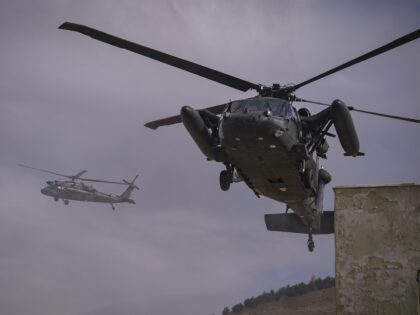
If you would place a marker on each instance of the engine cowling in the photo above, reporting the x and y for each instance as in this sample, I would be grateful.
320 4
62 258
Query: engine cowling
304 112
198 130
344 126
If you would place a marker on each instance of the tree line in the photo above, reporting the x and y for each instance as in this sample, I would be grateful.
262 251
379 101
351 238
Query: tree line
287 291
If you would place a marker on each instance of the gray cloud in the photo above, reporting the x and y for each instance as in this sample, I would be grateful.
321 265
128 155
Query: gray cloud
71 103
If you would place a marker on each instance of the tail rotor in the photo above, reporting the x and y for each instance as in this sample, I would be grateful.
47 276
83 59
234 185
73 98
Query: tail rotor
131 185
125 196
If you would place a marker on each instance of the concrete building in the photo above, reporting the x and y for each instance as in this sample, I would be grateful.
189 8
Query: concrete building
377 242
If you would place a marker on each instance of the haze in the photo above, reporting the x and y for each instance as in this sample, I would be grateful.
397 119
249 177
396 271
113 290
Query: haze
70 103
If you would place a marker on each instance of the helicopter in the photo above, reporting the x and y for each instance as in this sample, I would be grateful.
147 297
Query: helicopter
265 141
75 189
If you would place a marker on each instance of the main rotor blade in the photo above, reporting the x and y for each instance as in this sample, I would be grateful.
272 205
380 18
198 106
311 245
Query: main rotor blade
217 109
79 174
186 65
46 171
394 44
387 116
365 111
101 181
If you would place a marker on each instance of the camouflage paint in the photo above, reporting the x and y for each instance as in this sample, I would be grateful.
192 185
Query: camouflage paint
377 244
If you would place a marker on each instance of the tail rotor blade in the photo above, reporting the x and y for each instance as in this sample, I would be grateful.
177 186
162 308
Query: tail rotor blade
132 183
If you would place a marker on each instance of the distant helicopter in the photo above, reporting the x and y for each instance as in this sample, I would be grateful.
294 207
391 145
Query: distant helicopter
75 189
264 140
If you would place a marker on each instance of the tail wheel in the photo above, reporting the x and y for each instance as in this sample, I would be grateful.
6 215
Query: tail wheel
307 178
311 245
225 179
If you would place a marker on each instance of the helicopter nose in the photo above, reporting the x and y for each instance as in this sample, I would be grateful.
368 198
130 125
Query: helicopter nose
46 191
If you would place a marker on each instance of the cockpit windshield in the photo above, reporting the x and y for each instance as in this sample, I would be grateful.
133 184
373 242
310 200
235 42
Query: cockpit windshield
277 106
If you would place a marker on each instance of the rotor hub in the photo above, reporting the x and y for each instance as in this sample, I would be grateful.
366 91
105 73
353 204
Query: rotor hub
278 91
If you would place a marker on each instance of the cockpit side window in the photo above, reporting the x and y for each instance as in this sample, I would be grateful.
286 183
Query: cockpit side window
237 106
278 108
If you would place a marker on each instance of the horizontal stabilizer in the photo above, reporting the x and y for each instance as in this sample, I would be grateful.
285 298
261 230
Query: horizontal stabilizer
217 110
164 122
289 222
358 154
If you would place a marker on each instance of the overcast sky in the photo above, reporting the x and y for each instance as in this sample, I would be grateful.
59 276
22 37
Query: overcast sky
70 103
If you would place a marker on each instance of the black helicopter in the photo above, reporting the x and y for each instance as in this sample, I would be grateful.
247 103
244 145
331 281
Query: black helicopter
264 140
75 189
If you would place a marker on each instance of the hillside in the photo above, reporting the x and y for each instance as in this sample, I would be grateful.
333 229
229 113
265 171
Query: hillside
320 302
312 298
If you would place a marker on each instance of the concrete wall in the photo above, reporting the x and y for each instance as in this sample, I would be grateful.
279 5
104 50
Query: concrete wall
377 246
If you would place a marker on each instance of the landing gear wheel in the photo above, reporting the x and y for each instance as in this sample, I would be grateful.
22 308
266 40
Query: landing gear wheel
225 179
311 245
55 199
66 202
307 178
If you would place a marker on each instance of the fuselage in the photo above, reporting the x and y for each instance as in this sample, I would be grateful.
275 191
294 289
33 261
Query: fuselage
259 137
67 190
